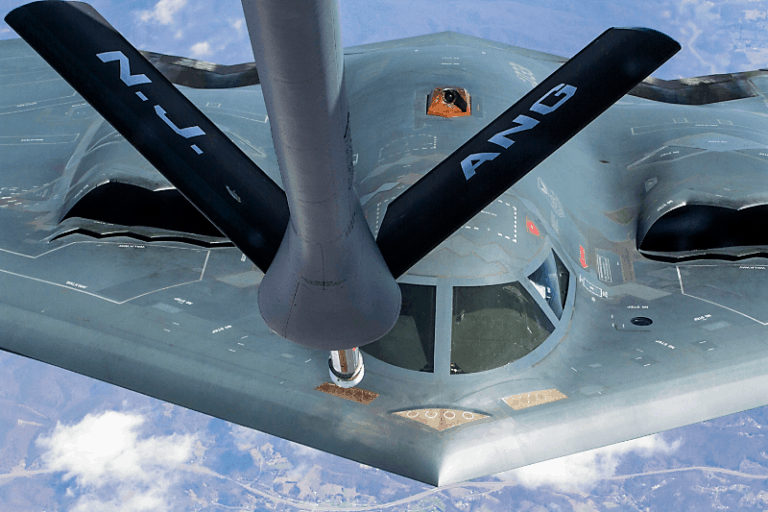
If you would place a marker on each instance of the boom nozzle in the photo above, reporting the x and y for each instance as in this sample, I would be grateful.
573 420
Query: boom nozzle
346 367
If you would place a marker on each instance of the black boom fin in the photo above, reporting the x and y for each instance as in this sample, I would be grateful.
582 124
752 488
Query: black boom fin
517 141
163 125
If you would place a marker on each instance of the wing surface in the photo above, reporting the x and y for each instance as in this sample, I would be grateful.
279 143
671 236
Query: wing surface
178 321
168 130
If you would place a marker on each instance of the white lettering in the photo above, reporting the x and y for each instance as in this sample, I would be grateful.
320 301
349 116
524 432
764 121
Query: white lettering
192 131
125 68
470 164
525 122
561 90
469 167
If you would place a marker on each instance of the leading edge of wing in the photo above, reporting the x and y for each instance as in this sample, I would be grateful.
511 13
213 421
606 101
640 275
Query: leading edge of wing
273 394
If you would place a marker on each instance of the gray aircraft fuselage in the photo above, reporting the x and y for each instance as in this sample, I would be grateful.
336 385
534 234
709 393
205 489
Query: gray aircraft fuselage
172 313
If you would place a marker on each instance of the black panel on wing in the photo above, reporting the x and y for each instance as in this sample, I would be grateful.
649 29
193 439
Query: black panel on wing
518 140
700 227
203 75
163 125
129 205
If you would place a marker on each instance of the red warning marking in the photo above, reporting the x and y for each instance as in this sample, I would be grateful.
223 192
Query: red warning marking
582 256
532 227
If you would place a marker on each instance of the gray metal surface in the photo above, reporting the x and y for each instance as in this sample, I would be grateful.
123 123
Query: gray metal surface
177 319
328 286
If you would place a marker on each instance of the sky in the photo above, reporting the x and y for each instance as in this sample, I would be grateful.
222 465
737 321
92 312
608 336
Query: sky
114 434
717 37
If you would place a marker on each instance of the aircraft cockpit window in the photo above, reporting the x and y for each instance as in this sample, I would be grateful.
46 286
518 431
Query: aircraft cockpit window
494 325
551 281
411 342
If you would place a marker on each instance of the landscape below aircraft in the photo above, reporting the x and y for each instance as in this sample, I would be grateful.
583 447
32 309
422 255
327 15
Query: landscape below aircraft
534 255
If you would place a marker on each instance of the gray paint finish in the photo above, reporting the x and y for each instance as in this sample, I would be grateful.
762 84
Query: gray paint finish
328 286
177 320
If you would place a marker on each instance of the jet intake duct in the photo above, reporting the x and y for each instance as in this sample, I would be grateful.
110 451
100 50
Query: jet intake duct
164 126
692 224
328 286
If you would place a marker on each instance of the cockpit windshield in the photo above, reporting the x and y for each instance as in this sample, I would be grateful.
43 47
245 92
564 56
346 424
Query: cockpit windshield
411 342
494 325
551 281
491 325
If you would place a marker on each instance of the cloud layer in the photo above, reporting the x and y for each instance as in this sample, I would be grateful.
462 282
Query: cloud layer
163 12
584 470
717 37
112 466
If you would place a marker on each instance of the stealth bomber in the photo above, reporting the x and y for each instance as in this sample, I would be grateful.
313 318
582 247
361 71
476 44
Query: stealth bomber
441 256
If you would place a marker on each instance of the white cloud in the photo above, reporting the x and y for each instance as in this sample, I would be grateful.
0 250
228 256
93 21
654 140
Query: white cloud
297 473
584 470
163 11
306 451
201 49
113 469
238 24
247 438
